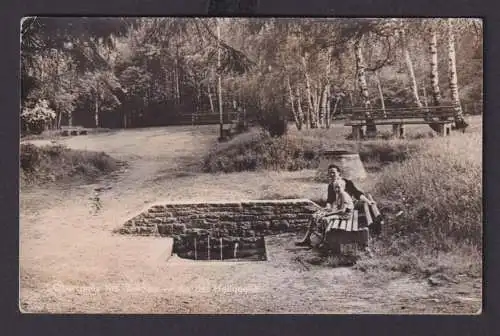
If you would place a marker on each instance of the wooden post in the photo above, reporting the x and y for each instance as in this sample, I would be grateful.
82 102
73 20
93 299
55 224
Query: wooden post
425 96
208 248
195 250
356 132
235 249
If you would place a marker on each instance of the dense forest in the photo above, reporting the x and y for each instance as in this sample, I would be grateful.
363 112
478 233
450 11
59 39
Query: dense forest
137 72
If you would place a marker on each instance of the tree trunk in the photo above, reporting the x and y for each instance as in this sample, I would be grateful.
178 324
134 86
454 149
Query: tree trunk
452 67
426 103
304 117
177 77
317 107
380 93
311 114
219 80
328 108
212 108
335 106
362 75
124 120
96 112
371 128
324 103
59 119
296 117
435 93
411 72
327 89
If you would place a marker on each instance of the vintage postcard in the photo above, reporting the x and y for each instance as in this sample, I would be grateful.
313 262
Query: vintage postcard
251 165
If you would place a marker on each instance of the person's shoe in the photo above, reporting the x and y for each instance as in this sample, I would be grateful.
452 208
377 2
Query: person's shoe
305 242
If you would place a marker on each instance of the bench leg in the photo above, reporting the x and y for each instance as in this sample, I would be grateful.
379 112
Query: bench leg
356 132
398 130
444 129
371 130
447 129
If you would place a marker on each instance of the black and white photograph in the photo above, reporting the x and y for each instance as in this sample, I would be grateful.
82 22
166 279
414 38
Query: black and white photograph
251 165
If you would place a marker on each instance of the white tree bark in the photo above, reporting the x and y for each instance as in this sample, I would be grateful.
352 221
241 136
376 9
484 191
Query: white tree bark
452 71
210 100
219 80
380 92
411 72
371 128
310 99
305 117
96 112
436 93
324 106
296 116
362 74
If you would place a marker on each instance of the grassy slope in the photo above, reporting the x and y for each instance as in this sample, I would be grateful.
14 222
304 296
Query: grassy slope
435 184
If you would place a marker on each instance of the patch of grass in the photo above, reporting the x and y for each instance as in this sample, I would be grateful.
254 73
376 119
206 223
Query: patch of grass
48 164
437 195
419 261
438 192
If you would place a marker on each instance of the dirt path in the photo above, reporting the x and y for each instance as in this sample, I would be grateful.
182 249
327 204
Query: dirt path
70 261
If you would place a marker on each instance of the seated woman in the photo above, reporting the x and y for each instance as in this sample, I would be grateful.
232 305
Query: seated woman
351 191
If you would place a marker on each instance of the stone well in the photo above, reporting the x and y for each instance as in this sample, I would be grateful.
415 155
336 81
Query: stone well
221 230
244 218
349 162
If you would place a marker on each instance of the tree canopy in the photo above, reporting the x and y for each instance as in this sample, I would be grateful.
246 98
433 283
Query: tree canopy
127 72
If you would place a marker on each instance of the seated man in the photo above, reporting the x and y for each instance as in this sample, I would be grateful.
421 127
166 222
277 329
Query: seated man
320 218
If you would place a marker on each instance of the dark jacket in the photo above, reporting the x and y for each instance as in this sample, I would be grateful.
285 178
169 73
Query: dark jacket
350 188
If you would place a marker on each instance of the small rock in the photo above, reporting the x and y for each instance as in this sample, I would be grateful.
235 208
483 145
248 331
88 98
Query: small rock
434 282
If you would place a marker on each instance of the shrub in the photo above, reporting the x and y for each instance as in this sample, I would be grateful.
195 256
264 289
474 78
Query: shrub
52 163
29 157
254 151
439 193
274 122
34 120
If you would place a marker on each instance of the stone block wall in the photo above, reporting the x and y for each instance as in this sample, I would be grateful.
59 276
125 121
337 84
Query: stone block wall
240 219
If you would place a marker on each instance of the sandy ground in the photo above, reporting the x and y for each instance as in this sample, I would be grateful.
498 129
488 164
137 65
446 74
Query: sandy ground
72 262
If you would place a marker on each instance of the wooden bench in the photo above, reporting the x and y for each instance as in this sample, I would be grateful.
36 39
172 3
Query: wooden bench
227 132
440 118
232 129
365 220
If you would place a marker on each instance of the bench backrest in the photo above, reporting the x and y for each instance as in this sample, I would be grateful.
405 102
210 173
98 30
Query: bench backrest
401 113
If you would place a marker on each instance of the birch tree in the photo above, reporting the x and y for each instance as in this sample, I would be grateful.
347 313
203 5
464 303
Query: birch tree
453 78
